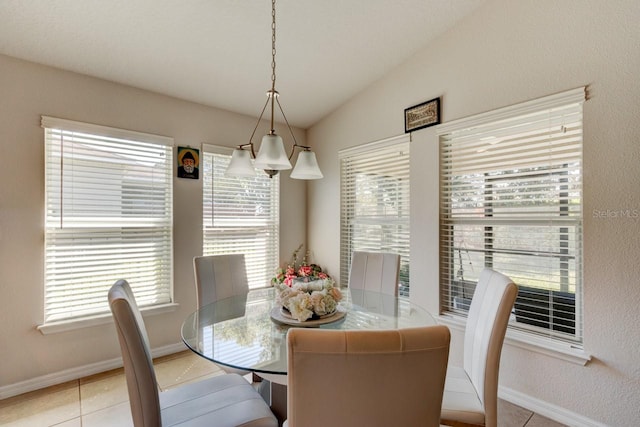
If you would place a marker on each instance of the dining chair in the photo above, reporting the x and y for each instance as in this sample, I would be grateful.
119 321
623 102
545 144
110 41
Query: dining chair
375 271
219 277
471 391
366 378
226 400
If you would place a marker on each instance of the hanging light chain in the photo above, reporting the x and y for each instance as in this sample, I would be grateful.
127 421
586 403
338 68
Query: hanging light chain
272 98
273 45
272 93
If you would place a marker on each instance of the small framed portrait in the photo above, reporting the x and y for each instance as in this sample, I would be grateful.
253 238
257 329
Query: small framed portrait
422 115
188 162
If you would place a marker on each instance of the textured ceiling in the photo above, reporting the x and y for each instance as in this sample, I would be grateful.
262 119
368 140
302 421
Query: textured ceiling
218 52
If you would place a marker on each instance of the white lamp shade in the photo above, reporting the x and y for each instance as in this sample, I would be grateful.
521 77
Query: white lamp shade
306 166
272 155
240 164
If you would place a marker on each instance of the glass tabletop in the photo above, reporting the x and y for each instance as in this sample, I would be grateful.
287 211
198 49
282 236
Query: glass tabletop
240 332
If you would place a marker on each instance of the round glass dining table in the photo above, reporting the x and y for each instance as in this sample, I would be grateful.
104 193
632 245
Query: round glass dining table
242 332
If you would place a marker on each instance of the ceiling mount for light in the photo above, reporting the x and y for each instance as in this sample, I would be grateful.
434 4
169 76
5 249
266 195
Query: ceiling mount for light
272 157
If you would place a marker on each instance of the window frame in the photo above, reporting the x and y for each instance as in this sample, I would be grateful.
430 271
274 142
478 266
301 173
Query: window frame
64 218
370 152
261 261
521 332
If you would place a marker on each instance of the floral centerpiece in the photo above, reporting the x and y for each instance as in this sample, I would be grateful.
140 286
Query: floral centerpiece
305 290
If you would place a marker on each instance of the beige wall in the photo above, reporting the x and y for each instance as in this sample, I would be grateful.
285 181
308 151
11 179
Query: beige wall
28 91
506 53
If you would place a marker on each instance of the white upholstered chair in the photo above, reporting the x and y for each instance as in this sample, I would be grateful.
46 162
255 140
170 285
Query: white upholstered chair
471 391
373 271
224 400
366 378
219 277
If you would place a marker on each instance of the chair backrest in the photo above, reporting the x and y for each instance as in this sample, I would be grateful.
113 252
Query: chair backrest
487 323
370 377
375 271
138 365
219 277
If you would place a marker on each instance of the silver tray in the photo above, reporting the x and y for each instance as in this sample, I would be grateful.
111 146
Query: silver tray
279 315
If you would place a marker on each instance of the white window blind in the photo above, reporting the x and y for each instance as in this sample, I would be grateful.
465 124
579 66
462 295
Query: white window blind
511 200
241 215
374 194
108 217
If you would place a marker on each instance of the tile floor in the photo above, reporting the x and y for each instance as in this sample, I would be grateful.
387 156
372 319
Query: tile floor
101 400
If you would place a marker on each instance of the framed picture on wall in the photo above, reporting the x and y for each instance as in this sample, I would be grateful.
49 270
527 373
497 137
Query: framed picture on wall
188 162
422 115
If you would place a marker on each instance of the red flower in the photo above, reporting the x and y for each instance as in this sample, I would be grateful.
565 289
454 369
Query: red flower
305 271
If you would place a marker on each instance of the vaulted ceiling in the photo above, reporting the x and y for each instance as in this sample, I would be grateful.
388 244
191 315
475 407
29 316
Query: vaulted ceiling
218 52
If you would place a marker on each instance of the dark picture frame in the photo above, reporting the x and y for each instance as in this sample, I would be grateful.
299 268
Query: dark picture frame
422 115
188 162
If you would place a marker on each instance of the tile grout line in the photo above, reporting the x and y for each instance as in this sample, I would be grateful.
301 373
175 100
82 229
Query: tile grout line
80 400
528 419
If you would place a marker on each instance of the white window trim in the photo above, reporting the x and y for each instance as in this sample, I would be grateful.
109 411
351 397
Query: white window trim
99 319
62 325
520 338
567 97
547 346
375 145
54 122
228 151
354 152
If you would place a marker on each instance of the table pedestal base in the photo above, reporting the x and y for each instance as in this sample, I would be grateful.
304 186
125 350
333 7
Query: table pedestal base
273 389
279 402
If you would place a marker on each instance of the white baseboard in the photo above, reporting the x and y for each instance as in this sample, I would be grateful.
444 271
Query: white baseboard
543 408
79 372
547 409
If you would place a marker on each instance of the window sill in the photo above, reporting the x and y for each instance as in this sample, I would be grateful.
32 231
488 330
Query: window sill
531 342
101 319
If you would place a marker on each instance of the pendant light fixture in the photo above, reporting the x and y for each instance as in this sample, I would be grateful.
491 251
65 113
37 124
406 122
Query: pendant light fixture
272 157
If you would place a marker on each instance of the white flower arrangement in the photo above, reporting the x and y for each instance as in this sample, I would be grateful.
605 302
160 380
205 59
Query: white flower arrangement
305 290
304 300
